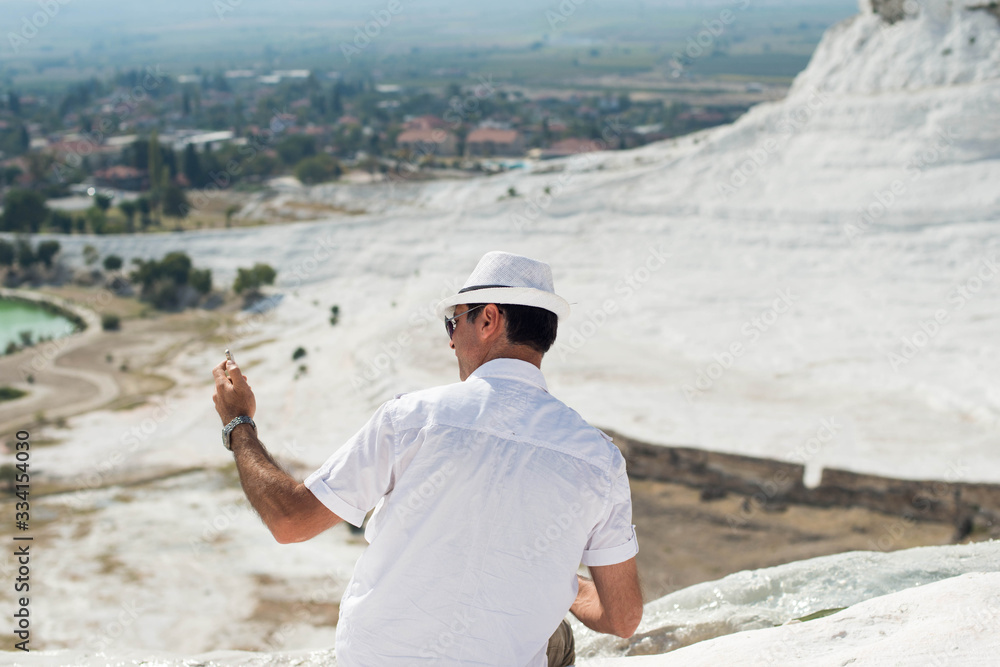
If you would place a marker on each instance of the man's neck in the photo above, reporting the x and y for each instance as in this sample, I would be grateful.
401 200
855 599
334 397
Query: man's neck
520 352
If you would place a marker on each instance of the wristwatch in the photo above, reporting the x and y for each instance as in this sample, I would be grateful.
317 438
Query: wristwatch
242 419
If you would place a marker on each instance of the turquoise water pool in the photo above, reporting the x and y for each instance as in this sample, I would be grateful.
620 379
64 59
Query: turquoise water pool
18 316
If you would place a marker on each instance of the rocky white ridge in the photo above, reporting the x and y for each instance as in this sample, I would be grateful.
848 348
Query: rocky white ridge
935 605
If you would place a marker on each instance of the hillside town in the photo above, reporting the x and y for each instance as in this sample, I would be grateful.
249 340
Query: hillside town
240 128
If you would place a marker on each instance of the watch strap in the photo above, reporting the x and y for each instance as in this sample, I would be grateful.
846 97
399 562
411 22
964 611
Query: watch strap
242 419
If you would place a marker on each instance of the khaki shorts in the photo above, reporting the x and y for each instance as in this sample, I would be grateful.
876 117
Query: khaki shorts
562 649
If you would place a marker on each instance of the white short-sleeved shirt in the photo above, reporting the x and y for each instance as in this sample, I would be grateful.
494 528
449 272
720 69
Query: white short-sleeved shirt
488 494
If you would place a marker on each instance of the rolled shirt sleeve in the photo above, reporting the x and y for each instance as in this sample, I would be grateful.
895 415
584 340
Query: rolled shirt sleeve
613 539
354 478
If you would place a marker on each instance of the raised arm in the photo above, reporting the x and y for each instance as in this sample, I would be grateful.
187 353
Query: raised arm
289 510
612 602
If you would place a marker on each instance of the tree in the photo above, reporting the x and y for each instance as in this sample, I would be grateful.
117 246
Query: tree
7 253
169 159
138 154
231 210
163 281
250 280
23 211
90 254
112 263
176 266
25 255
142 203
16 141
295 148
128 209
336 103
156 175
192 167
318 169
10 174
39 167
201 280
60 221
175 203
102 202
155 165
46 251
96 219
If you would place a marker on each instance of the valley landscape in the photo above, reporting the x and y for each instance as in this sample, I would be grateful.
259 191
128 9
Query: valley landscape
814 283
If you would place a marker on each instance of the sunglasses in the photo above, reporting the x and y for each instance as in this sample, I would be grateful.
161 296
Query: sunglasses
449 322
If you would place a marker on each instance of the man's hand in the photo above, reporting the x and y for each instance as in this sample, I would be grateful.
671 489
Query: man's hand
233 396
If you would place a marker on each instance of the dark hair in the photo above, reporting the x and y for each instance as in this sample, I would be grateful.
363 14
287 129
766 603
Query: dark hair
525 325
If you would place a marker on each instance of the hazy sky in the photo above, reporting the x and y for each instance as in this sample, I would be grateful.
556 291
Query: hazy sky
76 34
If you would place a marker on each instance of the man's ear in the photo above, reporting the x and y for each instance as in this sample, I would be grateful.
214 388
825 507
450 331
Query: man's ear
492 322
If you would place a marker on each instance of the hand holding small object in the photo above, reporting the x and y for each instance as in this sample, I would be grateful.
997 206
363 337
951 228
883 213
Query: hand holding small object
233 395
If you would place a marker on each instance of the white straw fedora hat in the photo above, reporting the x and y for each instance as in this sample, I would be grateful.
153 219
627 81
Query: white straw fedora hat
501 277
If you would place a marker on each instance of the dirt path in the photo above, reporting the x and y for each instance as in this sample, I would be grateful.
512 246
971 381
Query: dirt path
95 369
55 389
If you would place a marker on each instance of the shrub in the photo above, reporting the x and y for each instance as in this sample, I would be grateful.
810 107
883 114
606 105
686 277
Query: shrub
61 221
201 280
7 253
25 254
295 148
164 294
90 254
46 251
11 393
175 203
318 169
112 263
24 211
298 353
250 280
110 322
334 315
163 281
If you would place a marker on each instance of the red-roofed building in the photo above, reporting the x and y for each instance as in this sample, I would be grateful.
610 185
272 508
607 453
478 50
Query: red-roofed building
576 145
121 177
80 147
428 142
425 123
489 142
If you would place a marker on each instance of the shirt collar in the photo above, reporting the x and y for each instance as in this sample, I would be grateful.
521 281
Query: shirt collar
512 369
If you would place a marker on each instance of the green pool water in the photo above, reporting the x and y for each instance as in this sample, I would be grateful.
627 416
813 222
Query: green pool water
18 316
